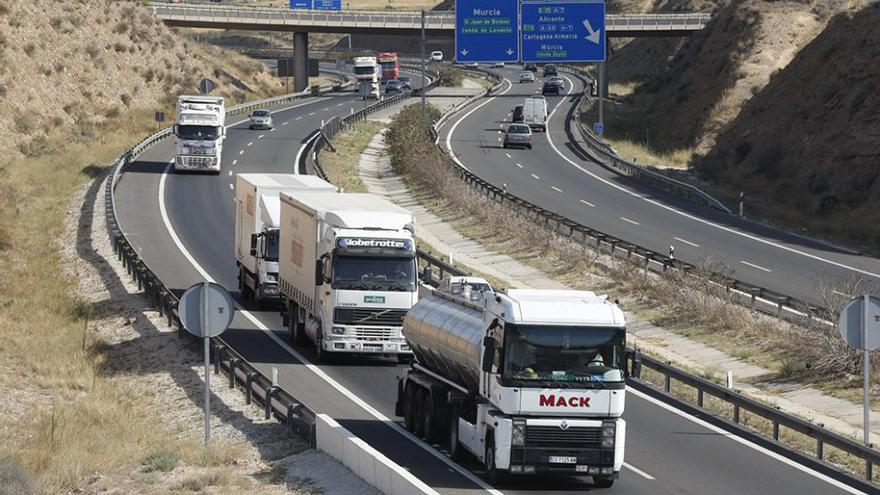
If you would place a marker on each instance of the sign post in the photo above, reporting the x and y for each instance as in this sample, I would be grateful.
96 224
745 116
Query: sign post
206 310
859 326
486 31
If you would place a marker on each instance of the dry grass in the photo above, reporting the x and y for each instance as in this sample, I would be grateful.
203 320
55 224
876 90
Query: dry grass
341 166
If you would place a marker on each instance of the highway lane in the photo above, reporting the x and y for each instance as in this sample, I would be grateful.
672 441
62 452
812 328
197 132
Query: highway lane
554 176
669 448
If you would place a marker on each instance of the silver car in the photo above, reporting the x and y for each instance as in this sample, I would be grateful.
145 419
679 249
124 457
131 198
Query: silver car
261 119
518 135
527 76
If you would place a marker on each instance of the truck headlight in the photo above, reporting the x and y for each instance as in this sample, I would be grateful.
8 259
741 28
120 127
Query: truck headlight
608 430
338 330
518 434
272 277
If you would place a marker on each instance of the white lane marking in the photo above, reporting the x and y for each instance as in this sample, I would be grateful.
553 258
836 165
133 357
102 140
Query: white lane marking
235 161
499 139
638 471
339 104
250 143
459 121
743 441
536 177
272 130
755 266
231 188
698 219
311 113
261 136
555 188
519 165
311 367
230 173
630 221
298 118
285 123
508 155
689 243
588 203
841 293
325 109
299 153
240 152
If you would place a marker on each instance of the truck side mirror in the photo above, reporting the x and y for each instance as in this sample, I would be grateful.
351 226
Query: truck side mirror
488 353
426 275
254 244
319 272
174 129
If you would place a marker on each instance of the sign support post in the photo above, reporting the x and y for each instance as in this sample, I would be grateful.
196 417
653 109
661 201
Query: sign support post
206 316
859 325
865 322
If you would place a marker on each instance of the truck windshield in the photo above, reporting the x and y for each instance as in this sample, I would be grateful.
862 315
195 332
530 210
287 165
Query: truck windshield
271 245
580 355
374 273
370 69
199 132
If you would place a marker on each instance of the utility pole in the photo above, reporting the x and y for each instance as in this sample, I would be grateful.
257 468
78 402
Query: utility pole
424 102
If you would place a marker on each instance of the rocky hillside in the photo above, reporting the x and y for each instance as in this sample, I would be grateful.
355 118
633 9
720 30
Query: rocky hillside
808 144
66 66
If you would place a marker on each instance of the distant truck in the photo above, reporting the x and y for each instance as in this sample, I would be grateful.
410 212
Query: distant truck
348 273
390 66
367 72
200 131
531 382
257 214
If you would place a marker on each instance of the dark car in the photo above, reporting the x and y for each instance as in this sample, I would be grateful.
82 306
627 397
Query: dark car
405 82
531 67
549 70
517 114
393 87
551 87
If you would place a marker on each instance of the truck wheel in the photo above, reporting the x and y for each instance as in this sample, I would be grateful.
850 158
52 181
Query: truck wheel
320 355
429 429
493 474
602 482
455 449
245 291
418 411
285 317
297 328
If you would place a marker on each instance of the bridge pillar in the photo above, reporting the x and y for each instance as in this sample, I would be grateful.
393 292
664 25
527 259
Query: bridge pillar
300 61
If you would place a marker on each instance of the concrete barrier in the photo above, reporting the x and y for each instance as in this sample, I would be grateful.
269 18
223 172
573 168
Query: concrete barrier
365 461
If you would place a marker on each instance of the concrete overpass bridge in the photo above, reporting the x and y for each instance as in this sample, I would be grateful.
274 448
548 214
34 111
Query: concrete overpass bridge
437 23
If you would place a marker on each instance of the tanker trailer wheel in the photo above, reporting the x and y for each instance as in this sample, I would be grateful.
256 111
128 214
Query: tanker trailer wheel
409 408
455 449
602 482
429 427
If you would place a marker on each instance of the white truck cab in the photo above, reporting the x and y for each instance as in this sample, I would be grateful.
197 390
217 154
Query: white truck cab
200 131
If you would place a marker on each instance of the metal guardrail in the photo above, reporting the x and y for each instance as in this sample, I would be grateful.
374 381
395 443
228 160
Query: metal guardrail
275 401
364 19
606 155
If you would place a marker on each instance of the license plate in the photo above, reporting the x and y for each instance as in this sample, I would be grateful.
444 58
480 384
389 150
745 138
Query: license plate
556 459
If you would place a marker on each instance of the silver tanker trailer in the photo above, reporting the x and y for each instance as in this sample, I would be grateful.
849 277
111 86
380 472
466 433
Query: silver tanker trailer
528 381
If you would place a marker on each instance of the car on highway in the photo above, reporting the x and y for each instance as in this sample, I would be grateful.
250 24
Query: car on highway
549 70
526 77
393 87
551 87
405 82
517 115
436 56
458 283
535 113
531 67
261 119
558 80
498 65
517 135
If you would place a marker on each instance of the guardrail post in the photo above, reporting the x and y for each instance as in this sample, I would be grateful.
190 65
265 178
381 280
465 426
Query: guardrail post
869 470
820 447
776 430
637 364
233 363
291 411
700 397
271 391
249 386
218 354
668 380
736 413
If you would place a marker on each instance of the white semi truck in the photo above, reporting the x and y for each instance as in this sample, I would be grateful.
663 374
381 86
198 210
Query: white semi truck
200 131
368 72
528 381
348 273
257 217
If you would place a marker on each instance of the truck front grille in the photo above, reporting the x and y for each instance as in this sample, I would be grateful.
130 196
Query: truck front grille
195 161
369 316
375 333
572 438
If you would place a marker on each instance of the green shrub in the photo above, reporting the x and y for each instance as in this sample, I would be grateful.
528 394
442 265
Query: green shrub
14 480
161 460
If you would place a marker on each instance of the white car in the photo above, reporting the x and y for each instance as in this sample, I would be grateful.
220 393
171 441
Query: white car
457 285
261 119
498 65
527 76
437 56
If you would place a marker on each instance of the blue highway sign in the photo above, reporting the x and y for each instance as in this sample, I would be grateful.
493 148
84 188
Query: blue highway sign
486 31
563 31
300 4
327 4
598 128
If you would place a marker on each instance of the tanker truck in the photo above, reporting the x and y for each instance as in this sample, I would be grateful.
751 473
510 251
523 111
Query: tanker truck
530 382
348 273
